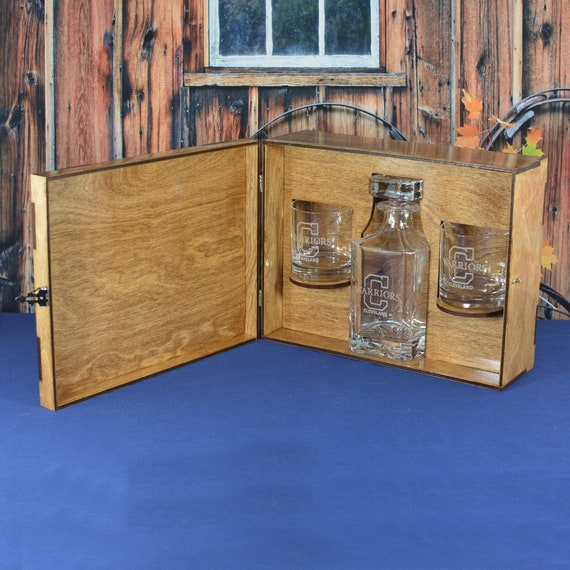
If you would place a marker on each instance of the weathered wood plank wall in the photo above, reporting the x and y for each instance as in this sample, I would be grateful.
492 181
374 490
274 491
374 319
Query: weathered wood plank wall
432 71
82 102
22 139
118 81
546 64
488 50
152 59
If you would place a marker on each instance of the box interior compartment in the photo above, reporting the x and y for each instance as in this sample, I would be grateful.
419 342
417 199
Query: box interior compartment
468 187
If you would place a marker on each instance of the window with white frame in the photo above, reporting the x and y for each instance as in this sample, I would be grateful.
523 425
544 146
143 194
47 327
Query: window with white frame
294 33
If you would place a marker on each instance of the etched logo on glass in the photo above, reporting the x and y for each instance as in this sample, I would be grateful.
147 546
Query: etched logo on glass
309 241
463 267
376 295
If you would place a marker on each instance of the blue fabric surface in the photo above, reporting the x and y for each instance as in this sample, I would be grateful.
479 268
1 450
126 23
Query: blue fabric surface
274 457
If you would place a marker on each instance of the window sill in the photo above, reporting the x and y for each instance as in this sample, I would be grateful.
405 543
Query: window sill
294 79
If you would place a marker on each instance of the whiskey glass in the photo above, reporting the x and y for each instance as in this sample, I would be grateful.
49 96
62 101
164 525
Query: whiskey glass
320 243
472 269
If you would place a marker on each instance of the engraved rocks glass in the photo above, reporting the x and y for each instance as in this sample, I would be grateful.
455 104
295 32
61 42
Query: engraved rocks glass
472 269
320 243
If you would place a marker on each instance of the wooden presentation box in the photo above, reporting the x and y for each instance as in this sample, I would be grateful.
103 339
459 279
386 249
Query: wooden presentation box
153 262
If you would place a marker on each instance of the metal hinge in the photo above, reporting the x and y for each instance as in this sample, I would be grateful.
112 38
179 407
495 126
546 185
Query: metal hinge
37 297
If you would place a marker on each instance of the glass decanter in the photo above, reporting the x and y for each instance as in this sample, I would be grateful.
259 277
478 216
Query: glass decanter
389 282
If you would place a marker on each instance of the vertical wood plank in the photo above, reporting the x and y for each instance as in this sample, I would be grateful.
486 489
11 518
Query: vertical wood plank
195 34
419 42
517 39
195 55
218 115
49 74
400 43
490 40
152 75
546 65
434 33
22 142
253 113
355 123
275 101
83 88
117 40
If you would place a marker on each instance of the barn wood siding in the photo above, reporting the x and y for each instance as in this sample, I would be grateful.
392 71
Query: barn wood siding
89 81
546 64
22 141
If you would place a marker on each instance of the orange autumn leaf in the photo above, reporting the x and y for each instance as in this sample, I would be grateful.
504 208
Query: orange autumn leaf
548 256
504 124
530 147
533 136
473 106
468 137
468 131
510 149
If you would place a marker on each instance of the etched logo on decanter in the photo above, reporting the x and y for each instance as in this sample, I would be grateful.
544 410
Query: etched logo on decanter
376 294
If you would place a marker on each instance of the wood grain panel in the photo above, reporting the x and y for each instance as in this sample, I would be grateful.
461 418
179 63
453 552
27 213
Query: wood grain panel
83 88
524 273
152 75
273 239
419 42
546 65
146 276
42 279
22 142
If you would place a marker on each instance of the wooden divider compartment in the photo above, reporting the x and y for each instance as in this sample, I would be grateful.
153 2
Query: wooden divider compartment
464 186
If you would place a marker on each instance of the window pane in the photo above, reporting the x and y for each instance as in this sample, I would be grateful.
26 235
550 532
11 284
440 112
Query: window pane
242 27
347 28
295 27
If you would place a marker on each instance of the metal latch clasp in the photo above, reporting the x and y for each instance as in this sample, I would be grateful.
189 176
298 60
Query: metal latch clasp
37 297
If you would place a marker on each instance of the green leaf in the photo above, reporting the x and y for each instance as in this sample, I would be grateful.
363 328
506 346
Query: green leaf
530 149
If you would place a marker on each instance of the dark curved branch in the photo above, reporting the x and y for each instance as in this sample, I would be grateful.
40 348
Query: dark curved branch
394 132
521 113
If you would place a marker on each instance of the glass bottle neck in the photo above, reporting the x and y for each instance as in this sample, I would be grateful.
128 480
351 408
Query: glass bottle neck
398 215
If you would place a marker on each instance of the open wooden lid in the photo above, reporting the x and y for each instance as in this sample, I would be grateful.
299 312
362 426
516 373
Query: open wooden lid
149 263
